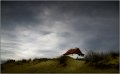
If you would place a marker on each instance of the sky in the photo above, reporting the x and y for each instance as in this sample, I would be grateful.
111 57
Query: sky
38 29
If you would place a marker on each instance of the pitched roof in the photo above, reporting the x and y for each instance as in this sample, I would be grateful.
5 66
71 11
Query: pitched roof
74 51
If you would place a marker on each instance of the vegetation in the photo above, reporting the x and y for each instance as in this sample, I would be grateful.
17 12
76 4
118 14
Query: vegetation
92 63
103 60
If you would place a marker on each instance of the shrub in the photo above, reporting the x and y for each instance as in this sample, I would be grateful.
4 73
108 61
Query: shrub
10 61
114 54
63 60
21 62
101 60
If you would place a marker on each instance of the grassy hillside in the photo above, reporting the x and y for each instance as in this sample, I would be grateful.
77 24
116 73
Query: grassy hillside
93 63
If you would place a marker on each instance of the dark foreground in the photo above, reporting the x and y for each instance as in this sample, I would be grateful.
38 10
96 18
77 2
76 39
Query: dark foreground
93 63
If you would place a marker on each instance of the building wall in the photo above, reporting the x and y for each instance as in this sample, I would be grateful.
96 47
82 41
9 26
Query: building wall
75 56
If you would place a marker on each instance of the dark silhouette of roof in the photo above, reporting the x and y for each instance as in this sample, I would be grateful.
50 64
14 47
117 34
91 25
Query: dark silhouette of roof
74 51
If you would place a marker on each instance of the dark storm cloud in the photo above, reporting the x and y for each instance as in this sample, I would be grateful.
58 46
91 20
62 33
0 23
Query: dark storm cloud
13 13
48 29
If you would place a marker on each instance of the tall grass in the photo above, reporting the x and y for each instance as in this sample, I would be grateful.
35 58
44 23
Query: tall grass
93 63
103 60
63 60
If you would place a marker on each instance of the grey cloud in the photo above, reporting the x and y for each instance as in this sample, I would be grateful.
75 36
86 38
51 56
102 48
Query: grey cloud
50 28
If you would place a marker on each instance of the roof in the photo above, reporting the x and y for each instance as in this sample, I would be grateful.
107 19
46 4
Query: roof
74 51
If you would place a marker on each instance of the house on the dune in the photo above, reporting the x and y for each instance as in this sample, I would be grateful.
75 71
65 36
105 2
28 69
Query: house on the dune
75 53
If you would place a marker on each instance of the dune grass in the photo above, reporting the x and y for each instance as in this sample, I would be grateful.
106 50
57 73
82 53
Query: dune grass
92 63
103 60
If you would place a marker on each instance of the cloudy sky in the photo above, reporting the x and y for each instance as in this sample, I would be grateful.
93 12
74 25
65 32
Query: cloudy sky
48 29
